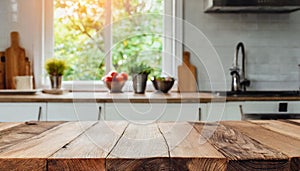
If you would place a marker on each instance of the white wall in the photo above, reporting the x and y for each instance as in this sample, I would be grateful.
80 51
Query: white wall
272 42
272 45
23 16
5 24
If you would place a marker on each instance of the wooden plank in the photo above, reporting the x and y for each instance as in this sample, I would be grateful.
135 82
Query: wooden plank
23 164
33 152
142 147
7 125
295 120
23 131
243 153
287 145
88 151
187 151
280 127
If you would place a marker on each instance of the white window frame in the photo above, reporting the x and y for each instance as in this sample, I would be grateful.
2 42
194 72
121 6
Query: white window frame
170 60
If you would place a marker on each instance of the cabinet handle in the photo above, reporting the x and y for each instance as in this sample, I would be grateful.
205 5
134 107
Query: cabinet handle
40 113
242 112
99 114
199 114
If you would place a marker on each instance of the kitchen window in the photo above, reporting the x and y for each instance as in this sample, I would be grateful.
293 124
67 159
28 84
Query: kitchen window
96 36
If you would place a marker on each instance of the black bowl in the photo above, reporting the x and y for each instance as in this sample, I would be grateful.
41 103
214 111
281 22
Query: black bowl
163 85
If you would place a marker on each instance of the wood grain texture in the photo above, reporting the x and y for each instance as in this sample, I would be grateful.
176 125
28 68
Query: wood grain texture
144 164
142 147
20 132
243 152
229 145
48 142
280 127
103 97
187 78
7 125
295 121
187 152
2 70
129 97
23 164
34 151
89 150
75 164
286 144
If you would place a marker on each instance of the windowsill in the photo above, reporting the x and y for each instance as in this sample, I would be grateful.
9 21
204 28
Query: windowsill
99 86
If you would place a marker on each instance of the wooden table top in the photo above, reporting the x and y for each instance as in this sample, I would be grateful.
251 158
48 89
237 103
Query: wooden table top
119 145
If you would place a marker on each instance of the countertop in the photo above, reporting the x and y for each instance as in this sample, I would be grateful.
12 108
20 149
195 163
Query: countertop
119 145
149 97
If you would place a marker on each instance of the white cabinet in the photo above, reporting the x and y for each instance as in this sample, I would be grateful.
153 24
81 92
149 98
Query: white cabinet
294 107
20 112
149 112
222 111
260 107
271 106
74 111
231 110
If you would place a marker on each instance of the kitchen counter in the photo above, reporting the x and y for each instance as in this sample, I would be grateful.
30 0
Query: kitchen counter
229 145
149 97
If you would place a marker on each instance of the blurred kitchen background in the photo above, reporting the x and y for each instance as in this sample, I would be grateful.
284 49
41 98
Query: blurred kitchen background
272 41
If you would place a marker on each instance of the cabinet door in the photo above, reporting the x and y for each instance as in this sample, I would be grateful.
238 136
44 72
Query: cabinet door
261 107
20 112
149 112
223 111
271 107
215 112
293 107
74 111
232 111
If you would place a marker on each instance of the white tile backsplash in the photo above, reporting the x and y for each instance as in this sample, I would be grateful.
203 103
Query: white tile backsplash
272 43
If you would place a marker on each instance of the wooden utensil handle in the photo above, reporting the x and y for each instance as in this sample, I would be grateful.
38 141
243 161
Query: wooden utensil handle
186 57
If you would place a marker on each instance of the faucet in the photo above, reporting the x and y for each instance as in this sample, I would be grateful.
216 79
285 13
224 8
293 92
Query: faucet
239 81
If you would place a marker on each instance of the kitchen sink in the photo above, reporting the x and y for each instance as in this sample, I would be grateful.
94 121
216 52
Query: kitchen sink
259 93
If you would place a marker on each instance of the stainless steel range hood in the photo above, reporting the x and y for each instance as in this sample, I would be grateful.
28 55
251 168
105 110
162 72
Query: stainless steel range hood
255 6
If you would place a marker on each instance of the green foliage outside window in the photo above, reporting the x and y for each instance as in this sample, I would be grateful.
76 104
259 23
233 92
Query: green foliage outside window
79 30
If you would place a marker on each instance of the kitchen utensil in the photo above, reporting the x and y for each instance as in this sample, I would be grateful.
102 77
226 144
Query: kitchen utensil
2 70
187 81
16 64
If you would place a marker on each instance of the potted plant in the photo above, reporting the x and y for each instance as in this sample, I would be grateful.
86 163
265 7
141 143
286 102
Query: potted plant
55 68
140 74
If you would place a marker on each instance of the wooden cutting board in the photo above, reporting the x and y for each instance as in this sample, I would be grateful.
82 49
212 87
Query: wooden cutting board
187 78
15 61
2 70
